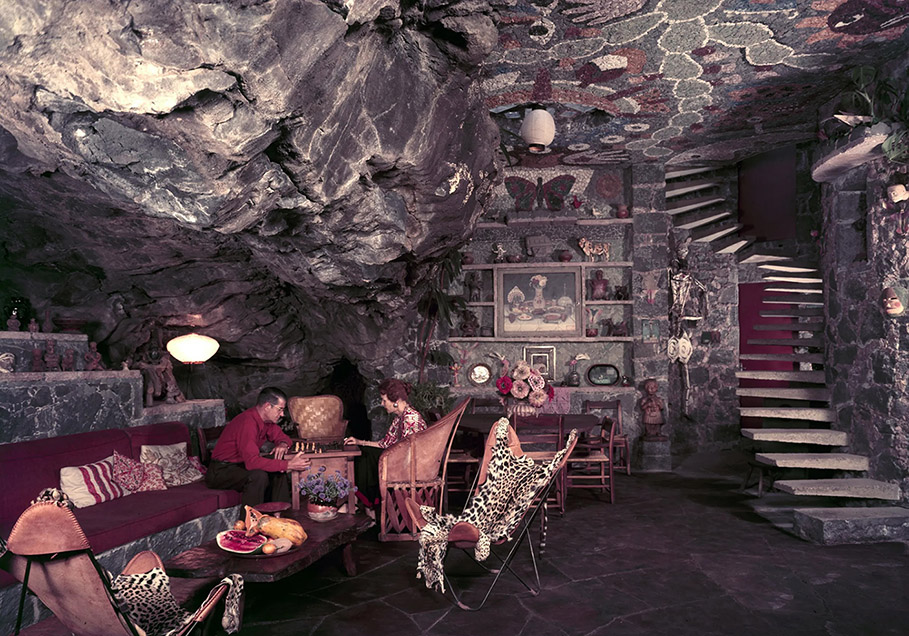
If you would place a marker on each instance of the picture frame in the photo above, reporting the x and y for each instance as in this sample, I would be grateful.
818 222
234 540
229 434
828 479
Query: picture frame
542 358
538 302
479 374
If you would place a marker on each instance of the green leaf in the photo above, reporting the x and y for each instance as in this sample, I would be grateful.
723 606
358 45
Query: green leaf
863 76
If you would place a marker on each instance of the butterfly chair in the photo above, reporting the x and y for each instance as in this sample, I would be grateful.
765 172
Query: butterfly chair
591 466
49 553
512 492
620 448
415 468
319 417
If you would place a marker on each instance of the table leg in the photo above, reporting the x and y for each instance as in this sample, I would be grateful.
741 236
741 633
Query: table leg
295 489
351 497
347 556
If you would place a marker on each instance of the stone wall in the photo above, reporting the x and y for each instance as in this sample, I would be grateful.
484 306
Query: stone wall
867 360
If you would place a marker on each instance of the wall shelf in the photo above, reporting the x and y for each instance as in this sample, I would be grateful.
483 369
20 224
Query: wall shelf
541 339
547 220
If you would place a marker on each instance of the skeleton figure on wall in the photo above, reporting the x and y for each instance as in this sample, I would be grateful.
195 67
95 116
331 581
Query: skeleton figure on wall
688 302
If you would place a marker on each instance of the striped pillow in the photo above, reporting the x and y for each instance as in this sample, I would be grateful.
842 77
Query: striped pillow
91 484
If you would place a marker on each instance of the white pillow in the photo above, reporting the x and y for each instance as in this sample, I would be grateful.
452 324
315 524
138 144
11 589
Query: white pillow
177 467
91 484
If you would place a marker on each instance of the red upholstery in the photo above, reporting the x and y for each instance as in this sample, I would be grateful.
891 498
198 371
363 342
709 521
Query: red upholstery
28 467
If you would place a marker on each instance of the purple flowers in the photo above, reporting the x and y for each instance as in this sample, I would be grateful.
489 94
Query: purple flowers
326 489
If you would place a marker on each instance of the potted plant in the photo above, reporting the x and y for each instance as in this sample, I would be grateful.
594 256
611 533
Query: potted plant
431 400
324 490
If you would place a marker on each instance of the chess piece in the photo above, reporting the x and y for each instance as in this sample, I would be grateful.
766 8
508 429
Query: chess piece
51 358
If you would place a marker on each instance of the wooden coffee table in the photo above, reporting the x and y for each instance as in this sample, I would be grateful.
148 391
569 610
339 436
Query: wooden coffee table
208 560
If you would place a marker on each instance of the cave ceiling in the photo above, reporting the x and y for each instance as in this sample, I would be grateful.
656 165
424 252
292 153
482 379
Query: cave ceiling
285 176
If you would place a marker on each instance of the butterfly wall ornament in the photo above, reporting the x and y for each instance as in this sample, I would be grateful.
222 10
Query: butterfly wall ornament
550 194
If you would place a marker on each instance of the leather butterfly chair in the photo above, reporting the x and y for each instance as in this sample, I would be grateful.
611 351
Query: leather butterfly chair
318 417
416 467
506 526
49 553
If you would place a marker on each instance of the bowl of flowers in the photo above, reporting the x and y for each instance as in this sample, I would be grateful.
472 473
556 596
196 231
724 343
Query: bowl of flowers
523 389
324 491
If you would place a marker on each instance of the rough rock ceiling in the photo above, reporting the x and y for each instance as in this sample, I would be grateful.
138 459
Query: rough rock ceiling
284 175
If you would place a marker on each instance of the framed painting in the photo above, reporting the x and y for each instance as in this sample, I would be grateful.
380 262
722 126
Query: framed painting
538 301
541 358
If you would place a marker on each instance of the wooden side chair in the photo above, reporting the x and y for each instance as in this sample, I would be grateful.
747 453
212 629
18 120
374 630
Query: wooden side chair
620 449
542 436
510 496
591 466
207 438
49 553
318 417
415 468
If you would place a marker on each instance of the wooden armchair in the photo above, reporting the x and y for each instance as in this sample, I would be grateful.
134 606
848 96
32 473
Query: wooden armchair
415 468
318 417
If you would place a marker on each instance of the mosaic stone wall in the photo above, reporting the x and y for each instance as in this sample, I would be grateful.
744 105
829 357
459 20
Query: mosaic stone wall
864 249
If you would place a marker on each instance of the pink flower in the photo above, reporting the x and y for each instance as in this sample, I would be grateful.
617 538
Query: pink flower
520 389
536 382
521 371
503 384
537 398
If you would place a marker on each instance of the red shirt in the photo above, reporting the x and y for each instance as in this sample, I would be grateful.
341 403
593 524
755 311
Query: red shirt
242 438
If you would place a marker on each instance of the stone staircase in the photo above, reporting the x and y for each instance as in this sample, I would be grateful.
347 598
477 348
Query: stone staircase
796 446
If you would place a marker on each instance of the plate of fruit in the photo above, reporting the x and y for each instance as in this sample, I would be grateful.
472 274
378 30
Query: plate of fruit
261 536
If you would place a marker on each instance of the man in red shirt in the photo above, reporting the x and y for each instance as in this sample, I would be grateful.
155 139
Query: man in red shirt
236 463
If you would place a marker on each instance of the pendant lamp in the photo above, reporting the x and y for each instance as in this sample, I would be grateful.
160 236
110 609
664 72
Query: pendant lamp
538 129
192 348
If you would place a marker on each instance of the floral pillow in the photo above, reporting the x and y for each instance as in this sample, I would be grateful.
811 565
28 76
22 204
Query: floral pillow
91 484
136 476
177 467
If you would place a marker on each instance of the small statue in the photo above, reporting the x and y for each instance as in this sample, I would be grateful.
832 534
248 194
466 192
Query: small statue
652 406
93 360
68 363
621 292
892 304
498 253
13 323
48 326
33 326
473 285
158 373
51 358
7 362
599 286
470 324
37 365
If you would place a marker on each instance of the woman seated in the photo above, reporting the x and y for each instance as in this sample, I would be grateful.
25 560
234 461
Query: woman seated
407 421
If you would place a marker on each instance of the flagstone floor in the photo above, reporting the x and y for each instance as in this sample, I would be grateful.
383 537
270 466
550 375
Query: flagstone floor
677 554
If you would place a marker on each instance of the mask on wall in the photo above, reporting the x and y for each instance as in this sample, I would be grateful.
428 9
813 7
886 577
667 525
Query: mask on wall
892 304
897 193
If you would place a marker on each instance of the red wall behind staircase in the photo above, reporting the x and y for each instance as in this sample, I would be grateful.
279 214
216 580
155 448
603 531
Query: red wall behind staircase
767 194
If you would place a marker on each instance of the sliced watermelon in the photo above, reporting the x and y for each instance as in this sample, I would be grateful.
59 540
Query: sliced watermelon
237 541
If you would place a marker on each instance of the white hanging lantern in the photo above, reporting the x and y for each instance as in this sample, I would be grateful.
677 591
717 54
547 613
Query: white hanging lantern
538 129
192 348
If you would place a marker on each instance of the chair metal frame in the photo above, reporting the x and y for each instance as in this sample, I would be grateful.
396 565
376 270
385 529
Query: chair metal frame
621 451
516 537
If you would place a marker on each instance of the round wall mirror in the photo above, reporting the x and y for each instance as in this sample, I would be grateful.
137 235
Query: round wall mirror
479 374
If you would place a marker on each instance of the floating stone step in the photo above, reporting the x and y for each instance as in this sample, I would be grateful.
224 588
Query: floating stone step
810 358
686 205
687 172
791 326
856 488
700 218
791 266
803 300
792 312
808 394
679 188
814 436
835 526
794 288
820 461
713 233
753 257
777 277
809 377
731 244
788 342
789 413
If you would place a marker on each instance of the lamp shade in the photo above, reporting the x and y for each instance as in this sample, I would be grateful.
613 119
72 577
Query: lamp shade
192 348
538 129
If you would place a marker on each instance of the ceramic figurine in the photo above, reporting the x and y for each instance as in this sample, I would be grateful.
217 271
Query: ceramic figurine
469 324
68 363
652 406
51 358
599 286
93 358
897 193
33 326
37 365
7 362
13 323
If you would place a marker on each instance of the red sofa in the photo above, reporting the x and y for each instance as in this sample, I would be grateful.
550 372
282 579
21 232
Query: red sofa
28 467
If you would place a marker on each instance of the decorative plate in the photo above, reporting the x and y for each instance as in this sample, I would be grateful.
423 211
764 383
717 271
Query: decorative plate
603 375
479 374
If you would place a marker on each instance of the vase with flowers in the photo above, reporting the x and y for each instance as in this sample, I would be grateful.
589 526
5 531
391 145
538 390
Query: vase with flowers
324 491
573 378
523 389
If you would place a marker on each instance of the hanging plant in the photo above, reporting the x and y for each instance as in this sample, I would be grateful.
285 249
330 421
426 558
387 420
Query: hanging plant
437 305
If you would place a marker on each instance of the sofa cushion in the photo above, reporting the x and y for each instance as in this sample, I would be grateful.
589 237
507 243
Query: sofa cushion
157 435
144 513
136 476
91 484
28 467
174 462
